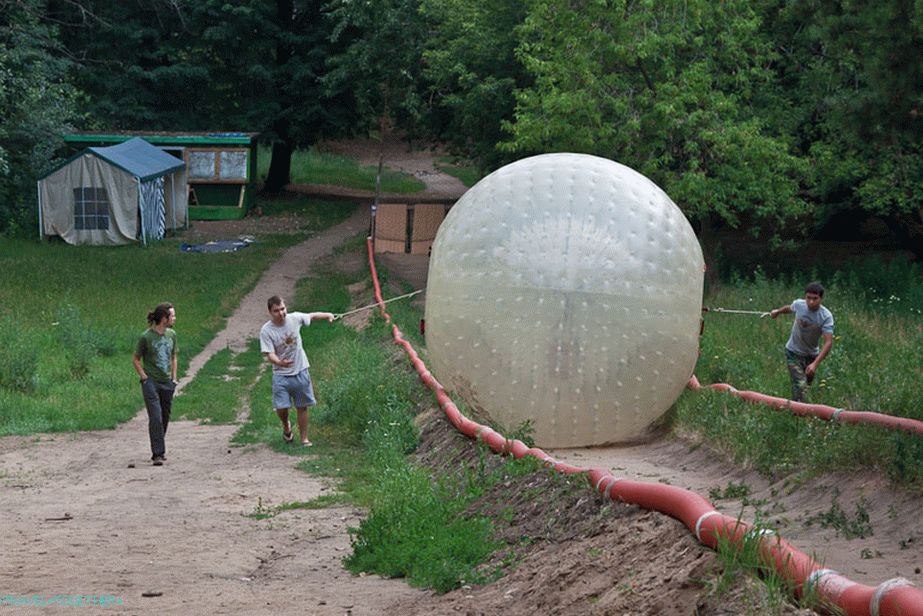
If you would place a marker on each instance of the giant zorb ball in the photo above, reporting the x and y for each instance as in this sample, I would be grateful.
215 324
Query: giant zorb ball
565 289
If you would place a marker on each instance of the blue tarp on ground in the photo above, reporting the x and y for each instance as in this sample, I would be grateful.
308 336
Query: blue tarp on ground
216 246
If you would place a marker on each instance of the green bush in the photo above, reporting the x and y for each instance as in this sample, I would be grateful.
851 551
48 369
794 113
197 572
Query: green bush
18 358
81 340
415 531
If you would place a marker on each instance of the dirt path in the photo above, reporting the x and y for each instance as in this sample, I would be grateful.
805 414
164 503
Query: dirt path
86 515
279 279
400 156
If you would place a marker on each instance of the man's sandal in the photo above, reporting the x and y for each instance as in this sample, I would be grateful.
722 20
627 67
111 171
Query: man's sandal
288 437
306 443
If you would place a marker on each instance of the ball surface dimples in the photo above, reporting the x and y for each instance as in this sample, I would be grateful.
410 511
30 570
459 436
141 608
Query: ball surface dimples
565 290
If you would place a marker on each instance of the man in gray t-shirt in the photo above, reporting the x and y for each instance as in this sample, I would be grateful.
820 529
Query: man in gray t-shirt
280 343
802 353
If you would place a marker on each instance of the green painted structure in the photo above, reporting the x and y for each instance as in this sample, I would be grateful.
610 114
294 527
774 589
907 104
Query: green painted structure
221 167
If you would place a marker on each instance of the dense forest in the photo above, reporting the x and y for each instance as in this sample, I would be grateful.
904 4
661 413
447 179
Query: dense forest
768 115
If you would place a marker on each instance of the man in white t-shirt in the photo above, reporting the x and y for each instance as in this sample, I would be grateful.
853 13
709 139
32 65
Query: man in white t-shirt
280 343
812 321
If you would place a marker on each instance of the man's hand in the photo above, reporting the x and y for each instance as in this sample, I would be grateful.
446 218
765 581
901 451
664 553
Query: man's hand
810 369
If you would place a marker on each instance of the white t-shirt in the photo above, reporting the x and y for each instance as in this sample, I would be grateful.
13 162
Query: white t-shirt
808 327
285 341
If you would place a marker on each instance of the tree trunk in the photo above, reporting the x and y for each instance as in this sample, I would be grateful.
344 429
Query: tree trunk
710 251
280 166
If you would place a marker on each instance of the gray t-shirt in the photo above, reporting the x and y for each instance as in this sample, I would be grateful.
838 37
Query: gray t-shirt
285 341
808 327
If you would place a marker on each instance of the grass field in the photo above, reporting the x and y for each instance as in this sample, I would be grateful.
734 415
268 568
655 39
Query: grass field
65 344
313 167
70 315
876 365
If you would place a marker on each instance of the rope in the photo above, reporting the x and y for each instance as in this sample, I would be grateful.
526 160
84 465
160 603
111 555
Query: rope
759 312
370 306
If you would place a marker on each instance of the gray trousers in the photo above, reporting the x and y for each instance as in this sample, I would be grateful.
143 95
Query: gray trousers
158 399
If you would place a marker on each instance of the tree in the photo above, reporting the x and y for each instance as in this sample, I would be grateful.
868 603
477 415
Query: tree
860 84
266 62
36 105
472 73
379 59
132 60
378 64
679 90
254 66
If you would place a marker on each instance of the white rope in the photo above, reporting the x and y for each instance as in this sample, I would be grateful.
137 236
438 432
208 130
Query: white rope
370 306
610 481
729 310
817 575
883 589
702 518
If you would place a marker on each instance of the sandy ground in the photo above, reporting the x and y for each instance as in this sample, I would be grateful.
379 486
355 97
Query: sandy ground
85 515
894 550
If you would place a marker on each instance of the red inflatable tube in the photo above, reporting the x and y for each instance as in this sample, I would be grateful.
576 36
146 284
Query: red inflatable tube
897 597
822 411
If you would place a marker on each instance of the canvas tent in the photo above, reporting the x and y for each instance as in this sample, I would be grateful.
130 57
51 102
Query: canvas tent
120 194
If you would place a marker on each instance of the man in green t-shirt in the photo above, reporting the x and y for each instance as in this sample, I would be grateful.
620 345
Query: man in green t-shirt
154 360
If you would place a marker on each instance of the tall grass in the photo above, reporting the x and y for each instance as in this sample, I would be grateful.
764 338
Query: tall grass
314 167
876 365
70 317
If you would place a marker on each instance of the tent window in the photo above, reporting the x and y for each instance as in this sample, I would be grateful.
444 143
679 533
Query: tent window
91 208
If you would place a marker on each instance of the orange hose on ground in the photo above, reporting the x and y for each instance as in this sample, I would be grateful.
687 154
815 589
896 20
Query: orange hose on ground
823 411
896 597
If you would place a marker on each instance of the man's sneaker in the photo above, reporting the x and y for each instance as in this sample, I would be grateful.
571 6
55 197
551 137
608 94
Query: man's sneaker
158 460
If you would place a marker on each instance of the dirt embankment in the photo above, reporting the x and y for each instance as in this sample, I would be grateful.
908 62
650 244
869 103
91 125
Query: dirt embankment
571 551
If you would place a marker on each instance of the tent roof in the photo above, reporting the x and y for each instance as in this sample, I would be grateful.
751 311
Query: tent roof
139 158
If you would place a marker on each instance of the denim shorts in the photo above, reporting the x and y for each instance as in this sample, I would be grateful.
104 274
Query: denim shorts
292 390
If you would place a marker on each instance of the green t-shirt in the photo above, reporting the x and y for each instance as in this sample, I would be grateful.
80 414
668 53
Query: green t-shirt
156 353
